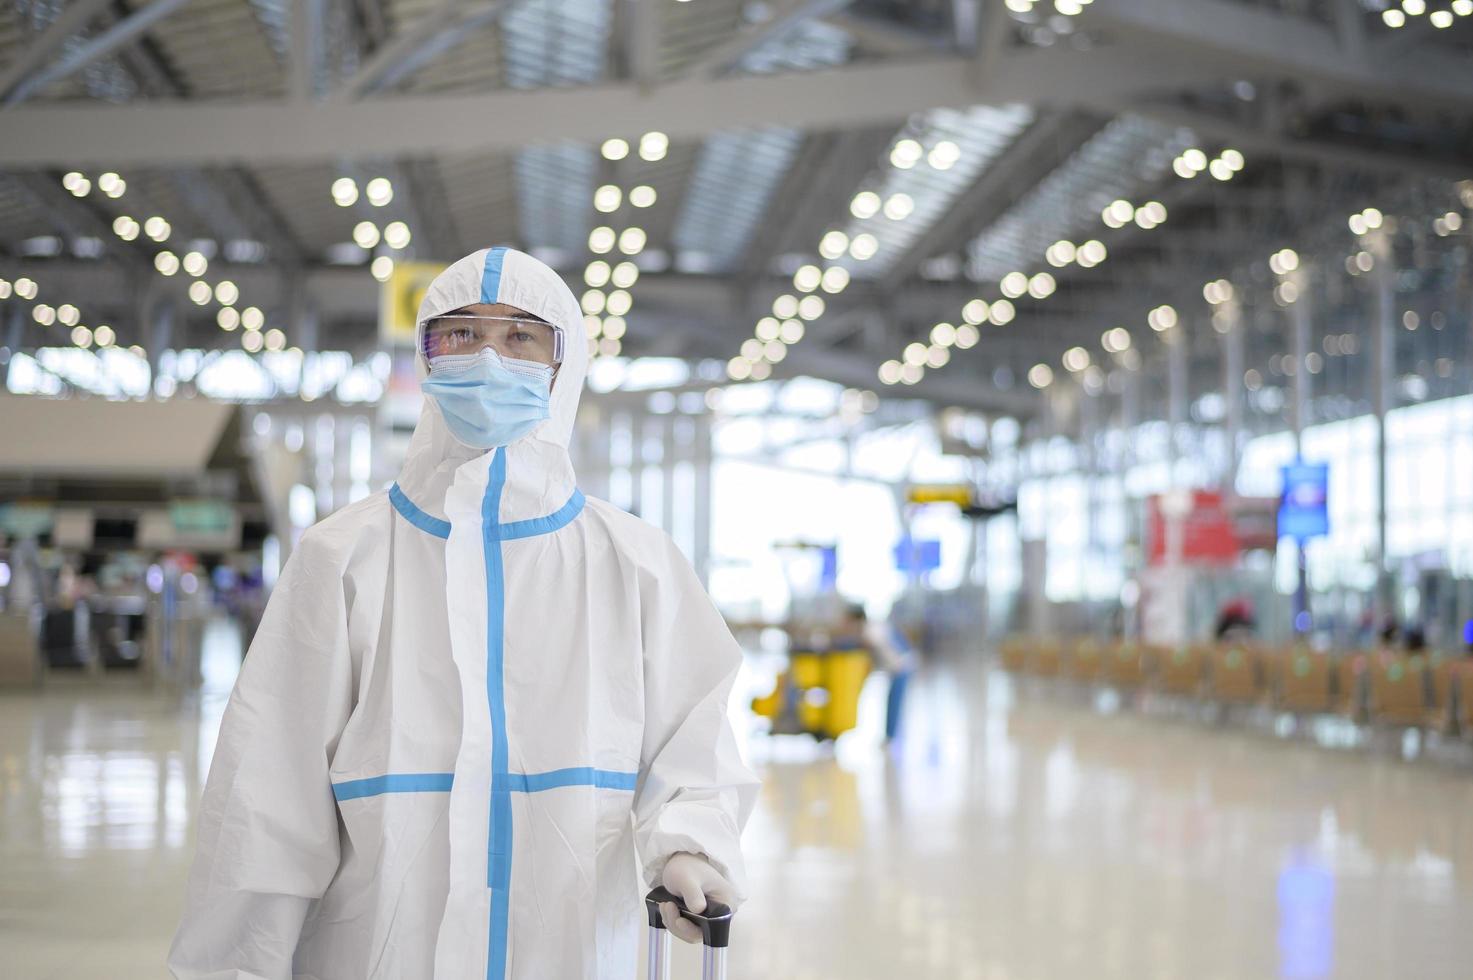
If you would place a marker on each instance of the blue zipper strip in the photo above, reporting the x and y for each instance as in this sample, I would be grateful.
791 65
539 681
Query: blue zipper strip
498 856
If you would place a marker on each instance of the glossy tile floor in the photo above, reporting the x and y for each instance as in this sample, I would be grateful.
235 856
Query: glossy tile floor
1011 835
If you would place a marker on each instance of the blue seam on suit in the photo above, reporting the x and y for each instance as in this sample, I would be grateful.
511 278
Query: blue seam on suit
411 513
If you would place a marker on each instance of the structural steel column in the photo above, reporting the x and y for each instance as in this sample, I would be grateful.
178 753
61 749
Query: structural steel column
1383 367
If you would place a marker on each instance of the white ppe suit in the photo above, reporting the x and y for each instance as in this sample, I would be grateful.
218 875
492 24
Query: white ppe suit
471 699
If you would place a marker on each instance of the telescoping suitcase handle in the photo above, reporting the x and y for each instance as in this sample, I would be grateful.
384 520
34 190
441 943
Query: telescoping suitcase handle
715 926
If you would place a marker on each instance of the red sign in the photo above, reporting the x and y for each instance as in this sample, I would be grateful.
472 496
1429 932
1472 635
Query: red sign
1208 534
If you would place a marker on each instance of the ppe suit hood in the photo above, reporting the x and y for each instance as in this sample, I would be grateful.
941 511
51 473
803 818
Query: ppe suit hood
545 474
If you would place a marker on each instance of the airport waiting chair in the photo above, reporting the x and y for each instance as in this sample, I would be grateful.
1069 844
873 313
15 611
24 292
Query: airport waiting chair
1014 655
1235 674
1272 662
1442 671
1045 658
1086 661
1398 688
1305 681
1350 684
1181 671
1125 666
1462 697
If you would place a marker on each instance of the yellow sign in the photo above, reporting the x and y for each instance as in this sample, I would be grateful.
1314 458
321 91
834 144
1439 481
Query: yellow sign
940 493
400 297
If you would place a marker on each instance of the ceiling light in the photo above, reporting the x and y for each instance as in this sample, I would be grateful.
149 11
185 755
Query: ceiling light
601 240
653 146
607 198
365 234
625 274
632 241
379 191
836 243
835 279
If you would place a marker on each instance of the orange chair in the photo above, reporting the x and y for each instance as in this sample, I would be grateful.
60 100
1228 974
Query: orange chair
1306 682
1350 684
1462 696
1014 655
1272 663
1045 659
1443 671
1236 674
1181 671
1125 666
1086 661
1399 690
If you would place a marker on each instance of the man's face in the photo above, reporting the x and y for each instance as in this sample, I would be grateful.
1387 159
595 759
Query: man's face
512 332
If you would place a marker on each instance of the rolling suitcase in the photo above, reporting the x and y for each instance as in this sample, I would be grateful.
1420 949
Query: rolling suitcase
715 925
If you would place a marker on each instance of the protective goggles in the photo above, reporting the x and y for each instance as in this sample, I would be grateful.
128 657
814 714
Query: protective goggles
513 337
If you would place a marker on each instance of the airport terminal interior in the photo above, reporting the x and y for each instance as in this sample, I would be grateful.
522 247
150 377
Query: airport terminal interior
1067 405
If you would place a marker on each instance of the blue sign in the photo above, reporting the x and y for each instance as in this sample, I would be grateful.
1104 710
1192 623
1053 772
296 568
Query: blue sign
828 576
1303 512
917 557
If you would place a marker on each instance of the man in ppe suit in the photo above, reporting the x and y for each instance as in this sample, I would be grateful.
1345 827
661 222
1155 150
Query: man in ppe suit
473 699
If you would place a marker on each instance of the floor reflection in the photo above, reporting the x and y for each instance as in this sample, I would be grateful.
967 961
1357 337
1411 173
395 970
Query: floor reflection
1009 834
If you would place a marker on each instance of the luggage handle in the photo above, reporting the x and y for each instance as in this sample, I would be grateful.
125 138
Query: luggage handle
714 923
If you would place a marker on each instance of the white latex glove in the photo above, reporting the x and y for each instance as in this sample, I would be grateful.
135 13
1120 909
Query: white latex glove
692 878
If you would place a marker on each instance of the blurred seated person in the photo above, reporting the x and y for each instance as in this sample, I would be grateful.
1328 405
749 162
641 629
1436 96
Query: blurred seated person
1414 641
1236 622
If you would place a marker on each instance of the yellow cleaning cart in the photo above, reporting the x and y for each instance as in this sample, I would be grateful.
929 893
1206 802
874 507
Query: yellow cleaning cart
818 694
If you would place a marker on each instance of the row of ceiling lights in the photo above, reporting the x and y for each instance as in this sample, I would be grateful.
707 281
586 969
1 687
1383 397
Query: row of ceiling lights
367 235
1069 8
194 263
1395 17
605 309
917 357
791 313
1191 162
64 314
1116 341
786 326
788 321
1284 263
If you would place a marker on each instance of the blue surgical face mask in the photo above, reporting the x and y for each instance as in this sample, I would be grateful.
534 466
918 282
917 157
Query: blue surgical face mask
489 400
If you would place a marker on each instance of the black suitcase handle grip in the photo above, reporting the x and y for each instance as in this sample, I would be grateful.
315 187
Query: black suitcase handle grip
714 923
